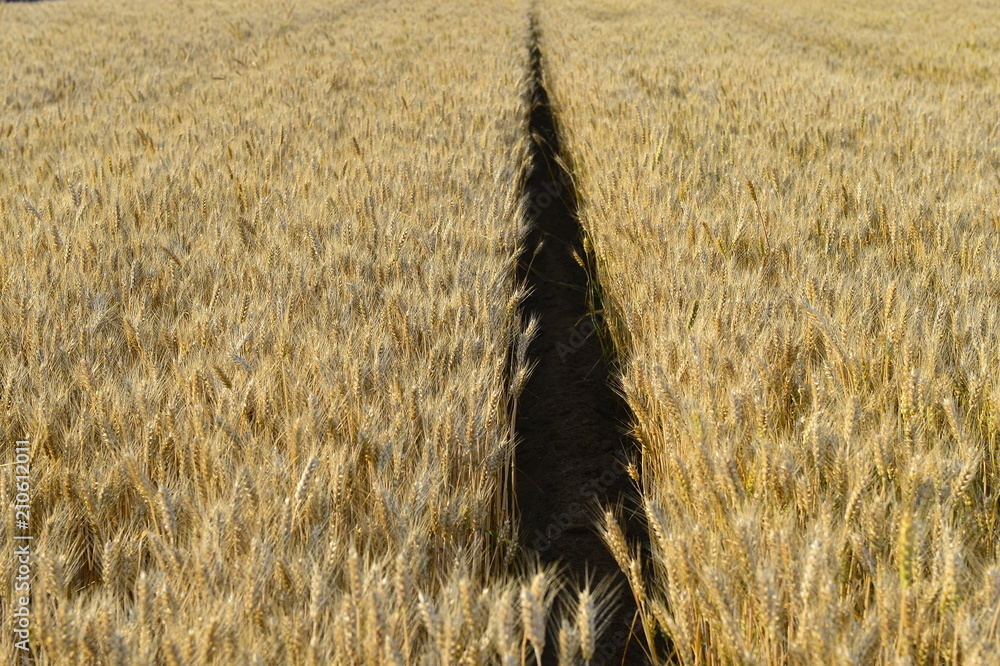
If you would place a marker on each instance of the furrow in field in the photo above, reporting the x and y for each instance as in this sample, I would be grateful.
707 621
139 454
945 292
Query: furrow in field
572 458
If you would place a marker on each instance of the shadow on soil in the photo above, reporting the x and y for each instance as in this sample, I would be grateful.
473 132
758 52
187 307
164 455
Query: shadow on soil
571 422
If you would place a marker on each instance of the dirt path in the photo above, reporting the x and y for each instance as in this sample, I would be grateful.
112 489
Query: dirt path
570 420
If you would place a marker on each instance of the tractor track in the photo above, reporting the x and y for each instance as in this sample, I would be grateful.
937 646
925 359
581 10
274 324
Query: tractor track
571 422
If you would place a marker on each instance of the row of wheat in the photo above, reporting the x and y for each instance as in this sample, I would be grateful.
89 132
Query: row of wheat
792 208
258 306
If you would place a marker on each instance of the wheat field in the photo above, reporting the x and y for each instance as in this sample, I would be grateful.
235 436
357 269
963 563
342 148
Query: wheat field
792 208
261 327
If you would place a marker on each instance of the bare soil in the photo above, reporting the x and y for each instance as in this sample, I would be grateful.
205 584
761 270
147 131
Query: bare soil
571 422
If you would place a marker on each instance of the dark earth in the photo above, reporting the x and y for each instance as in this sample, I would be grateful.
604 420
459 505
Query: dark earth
571 422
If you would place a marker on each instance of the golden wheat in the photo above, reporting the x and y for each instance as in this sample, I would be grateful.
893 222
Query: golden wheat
792 211
258 306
